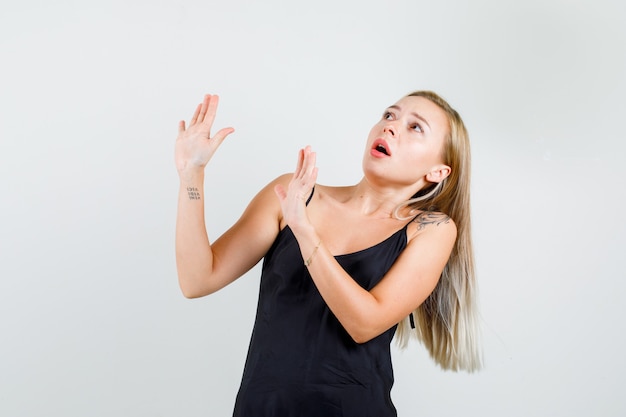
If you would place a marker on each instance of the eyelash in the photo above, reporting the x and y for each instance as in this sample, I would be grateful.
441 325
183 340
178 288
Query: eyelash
419 129
418 126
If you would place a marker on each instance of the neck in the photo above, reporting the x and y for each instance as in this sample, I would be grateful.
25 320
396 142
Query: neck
376 201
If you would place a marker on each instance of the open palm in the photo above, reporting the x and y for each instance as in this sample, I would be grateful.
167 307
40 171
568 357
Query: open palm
194 145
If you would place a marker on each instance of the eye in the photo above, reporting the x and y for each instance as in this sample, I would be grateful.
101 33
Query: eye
417 127
387 115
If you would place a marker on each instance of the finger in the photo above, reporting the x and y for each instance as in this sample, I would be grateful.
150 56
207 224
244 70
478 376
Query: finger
211 109
298 172
314 176
194 118
308 163
280 192
311 175
203 108
221 135
311 160
181 126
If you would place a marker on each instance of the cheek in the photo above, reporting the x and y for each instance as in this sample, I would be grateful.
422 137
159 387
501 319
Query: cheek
371 137
423 158
434 153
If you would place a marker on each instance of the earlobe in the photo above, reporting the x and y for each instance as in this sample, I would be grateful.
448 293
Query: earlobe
439 173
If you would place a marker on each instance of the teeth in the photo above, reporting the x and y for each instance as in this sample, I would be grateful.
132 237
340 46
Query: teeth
381 148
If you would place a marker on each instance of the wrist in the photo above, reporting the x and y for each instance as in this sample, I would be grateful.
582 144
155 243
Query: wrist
304 231
191 176
308 261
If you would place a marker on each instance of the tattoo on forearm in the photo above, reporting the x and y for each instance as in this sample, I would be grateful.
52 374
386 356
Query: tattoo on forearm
429 217
194 193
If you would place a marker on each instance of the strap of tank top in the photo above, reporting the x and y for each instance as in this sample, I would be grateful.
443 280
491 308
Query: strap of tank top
310 196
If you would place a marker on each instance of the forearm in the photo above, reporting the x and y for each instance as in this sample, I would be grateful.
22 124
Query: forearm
354 307
194 258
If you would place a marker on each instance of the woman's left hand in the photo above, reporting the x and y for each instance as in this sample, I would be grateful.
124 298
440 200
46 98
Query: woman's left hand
293 200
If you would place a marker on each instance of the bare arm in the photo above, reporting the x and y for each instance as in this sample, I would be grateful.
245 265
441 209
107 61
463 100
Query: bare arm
204 268
366 314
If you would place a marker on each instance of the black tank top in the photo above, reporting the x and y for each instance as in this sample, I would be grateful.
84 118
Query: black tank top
301 362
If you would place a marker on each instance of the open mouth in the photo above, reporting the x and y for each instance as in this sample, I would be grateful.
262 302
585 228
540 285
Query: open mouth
381 148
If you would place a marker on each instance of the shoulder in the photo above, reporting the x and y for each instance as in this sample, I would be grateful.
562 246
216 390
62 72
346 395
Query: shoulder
431 238
433 219
267 192
265 201
281 179
432 225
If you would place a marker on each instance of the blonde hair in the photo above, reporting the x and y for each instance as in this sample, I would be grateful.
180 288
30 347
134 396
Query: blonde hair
447 321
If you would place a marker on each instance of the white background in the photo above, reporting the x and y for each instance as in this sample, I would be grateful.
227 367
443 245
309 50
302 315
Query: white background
92 322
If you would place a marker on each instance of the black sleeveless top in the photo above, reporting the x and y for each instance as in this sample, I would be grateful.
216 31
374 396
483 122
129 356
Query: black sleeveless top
301 362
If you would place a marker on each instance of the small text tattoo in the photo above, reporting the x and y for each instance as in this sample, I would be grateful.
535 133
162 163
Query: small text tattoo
193 193
429 217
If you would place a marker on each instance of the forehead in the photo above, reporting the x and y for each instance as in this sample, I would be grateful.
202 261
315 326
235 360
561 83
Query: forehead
434 115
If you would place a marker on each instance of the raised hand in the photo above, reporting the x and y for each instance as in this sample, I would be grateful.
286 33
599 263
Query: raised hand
293 199
194 145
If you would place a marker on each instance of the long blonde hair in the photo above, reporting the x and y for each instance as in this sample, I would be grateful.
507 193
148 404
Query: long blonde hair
447 321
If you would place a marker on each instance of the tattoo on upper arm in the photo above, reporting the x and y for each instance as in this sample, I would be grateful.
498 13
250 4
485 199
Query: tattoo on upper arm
194 193
428 217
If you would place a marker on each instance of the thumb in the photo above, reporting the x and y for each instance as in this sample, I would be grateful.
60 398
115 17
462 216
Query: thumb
221 135
280 192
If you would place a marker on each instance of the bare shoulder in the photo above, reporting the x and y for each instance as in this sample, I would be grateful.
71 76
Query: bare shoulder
283 179
267 192
433 219
433 224
265 206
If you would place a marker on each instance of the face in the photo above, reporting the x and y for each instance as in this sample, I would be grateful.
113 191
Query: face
404 148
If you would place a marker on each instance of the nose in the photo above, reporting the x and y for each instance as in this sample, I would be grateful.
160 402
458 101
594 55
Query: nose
390 128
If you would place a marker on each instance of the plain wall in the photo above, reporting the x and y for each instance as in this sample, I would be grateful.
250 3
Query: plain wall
92 322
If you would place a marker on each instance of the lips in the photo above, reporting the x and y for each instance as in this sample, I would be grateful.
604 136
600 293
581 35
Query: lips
380 148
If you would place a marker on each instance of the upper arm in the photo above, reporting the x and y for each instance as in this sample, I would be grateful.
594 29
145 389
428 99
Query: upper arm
415 273
245 243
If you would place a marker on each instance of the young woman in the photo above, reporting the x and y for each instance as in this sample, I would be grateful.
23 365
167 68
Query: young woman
345 268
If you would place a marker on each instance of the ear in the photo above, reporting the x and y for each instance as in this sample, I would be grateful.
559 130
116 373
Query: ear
438 173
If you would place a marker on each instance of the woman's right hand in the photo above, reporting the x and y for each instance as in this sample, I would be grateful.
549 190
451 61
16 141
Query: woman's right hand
194 145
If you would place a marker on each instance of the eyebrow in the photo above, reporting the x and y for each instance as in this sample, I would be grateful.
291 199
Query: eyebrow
413 113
